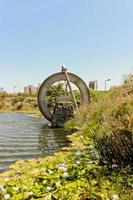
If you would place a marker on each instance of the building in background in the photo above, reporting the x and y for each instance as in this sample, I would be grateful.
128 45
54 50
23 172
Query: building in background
30 89
2 90
93 84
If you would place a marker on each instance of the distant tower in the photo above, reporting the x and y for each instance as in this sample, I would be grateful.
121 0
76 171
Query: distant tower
93 84
30 89
1 89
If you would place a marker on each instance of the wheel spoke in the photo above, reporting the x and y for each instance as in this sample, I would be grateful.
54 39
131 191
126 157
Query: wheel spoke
57 93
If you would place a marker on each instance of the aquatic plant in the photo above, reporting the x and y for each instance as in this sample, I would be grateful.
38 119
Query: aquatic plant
66 176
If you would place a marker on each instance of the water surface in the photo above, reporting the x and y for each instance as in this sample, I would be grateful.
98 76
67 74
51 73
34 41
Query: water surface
26 137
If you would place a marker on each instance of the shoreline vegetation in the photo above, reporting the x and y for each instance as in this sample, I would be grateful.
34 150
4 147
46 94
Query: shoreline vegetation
98 164
19 103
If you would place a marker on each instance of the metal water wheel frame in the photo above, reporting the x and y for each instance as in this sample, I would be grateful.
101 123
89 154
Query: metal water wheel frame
61 76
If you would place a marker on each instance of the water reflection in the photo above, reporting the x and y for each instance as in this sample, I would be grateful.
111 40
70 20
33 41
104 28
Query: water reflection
25 137
52 140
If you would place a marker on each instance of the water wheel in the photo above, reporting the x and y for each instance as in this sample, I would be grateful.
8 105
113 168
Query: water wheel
62 87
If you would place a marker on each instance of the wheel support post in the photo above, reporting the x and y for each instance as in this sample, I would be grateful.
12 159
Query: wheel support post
64 70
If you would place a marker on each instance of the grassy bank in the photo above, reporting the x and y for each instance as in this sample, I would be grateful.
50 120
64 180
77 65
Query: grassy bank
97 165
19 103
109 124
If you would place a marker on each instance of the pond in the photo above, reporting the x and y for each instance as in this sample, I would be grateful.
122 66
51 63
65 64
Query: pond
24 137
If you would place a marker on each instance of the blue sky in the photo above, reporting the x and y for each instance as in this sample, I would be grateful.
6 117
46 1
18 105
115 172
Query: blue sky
93 38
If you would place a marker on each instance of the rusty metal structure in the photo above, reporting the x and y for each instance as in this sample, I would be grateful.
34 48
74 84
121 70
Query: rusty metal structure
66 82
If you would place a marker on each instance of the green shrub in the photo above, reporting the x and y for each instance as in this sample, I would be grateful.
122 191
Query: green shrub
3 94
95 96
108 122
1 105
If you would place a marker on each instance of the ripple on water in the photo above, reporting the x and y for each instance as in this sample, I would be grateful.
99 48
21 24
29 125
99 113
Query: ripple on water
25 137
